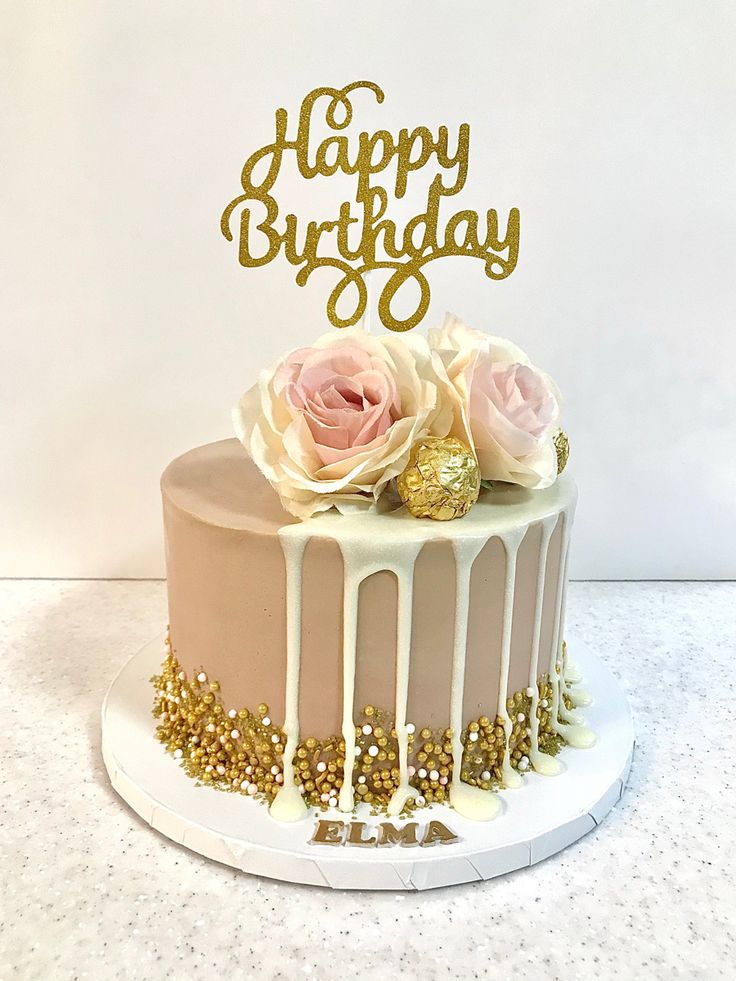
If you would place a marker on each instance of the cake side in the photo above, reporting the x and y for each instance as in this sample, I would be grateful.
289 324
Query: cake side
228 622
227 609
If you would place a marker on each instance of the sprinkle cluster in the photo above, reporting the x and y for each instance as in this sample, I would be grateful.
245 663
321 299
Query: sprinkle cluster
485 741
242 750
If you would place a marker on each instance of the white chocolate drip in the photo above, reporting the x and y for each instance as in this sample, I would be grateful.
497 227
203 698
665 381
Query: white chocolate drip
371 543
570 678
377 556
579 698
511 542
405 585
571 728
541 762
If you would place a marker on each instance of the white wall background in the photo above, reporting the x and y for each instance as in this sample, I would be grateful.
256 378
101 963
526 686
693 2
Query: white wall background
128 327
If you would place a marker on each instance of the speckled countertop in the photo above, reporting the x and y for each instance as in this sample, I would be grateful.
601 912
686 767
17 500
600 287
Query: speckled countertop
90 892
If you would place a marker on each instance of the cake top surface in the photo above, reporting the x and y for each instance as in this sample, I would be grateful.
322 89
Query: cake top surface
219 485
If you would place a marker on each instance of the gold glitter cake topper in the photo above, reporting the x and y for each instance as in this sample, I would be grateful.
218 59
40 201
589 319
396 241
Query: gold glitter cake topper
368 240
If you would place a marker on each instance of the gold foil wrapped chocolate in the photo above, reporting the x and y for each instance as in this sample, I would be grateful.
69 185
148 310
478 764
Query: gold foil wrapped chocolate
562 445
441 479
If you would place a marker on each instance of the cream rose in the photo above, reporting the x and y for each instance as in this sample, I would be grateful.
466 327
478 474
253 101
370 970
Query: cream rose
506 409
330 425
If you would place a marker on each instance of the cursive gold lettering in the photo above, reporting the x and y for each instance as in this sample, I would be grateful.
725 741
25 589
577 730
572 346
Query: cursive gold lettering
381 245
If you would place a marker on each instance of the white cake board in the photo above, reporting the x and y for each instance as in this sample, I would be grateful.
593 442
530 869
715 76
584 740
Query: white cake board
539 819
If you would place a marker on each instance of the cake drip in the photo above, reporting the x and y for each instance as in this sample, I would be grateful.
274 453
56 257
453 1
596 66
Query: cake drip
372 543
243 751
498 693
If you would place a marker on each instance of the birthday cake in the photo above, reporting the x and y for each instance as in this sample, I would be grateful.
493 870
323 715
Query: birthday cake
367 588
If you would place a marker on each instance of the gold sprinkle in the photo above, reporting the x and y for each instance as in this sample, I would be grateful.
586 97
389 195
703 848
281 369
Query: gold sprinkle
192 722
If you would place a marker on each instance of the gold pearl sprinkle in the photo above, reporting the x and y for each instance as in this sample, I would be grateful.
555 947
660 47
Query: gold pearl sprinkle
247 757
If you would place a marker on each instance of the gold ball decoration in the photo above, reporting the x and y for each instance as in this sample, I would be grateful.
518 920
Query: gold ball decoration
441 479
562 445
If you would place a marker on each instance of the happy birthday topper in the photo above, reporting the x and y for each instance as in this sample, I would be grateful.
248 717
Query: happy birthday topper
368 240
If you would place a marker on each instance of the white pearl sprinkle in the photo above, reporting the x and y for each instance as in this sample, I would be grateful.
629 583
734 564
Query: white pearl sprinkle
279 778
209 768
411 770
252 789
321 766
521 717
530 692
523 763
421 773
421 799
434 774
266 720
232 713
367 729
361 778
544 703
234 734
473 737
373 750
249 770
411 728
333 802
221 769
485 775
211 727
358 750
274 738
443 781
194 739
182 676
324 798
223 740
201 676
178 754
274 769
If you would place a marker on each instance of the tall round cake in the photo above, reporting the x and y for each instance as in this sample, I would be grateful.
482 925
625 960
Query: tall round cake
363 655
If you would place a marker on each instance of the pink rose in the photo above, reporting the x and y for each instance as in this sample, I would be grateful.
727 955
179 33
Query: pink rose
332 424
505 407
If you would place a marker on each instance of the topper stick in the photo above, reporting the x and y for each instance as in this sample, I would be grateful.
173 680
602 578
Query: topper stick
367 313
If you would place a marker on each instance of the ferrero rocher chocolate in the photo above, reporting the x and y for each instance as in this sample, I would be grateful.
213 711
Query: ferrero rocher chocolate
562 445
441 479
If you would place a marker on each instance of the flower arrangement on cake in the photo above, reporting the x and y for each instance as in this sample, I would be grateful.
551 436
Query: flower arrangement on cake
337 423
